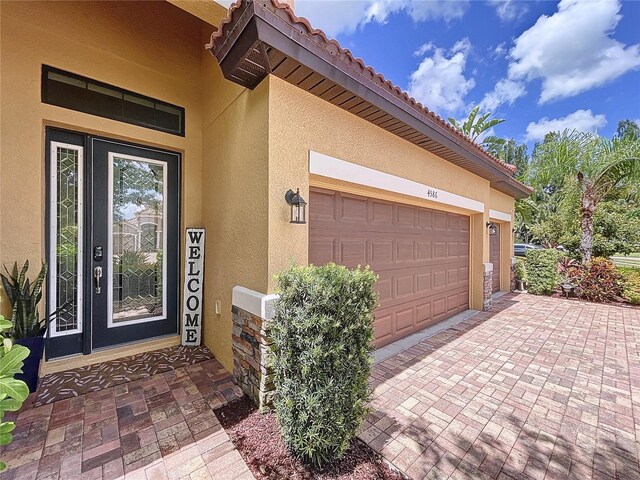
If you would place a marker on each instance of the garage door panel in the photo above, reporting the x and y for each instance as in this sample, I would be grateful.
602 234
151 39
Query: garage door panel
424 220
324 207
353 252
381 213
439 279
382 251
420 255
404 286
405 250
353 210
383 328
405 218
439 250
384 286
423 314
424 282
424 250
321 250
405 319
440 221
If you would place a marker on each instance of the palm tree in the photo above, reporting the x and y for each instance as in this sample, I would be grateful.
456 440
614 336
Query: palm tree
475 125
596 166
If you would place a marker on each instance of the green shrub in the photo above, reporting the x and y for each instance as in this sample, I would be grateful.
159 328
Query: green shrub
599 281
631 278
542 271
322 334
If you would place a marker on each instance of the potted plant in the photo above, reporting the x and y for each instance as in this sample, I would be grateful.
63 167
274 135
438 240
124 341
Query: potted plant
570 271
28 329
13 392
521 275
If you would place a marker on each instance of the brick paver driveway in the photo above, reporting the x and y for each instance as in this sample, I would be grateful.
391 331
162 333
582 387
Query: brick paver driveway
537 388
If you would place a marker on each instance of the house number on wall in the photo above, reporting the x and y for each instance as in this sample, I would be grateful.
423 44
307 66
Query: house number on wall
432 193
193 276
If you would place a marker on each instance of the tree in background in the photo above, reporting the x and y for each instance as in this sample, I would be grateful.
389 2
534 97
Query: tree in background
513 153
594 167
628 129
476 125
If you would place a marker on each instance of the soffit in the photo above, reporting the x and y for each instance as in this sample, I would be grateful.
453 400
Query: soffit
262 38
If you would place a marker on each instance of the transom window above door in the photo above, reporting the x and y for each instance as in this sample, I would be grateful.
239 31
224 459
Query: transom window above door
69 90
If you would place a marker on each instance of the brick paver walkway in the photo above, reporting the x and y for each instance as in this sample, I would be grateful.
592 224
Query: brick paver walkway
538 388
162 427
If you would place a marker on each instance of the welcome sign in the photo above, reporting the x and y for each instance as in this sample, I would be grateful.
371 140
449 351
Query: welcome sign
193 284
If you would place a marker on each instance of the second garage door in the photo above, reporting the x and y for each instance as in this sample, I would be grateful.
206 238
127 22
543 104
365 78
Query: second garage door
421 256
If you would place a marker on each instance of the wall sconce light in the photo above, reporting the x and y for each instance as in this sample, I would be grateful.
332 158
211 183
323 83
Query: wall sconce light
298 206
493 228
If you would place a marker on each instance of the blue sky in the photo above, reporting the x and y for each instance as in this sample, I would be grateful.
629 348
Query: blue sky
541 65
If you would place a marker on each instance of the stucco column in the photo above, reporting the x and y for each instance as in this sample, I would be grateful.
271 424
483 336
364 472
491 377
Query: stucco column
479 239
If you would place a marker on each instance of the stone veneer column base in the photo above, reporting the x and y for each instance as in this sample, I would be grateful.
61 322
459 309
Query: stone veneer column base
487 287
512 284
251 345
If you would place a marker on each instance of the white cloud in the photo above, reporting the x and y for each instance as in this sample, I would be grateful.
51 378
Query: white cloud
424 48
345 16
439 82
509 10
500 51
505 91
572 51
581 120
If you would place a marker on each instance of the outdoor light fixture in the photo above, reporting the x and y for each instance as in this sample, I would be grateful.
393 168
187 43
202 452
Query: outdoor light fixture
493 228
298 206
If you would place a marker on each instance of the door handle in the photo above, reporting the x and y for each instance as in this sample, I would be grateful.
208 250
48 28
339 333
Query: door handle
97 275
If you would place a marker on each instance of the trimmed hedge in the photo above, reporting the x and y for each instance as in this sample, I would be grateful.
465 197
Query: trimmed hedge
631 277
323 345
542 271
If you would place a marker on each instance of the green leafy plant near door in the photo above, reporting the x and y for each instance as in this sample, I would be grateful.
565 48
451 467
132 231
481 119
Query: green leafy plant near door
323 346
24 297
28 328
13 392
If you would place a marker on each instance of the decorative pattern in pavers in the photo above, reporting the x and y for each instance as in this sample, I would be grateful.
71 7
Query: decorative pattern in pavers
79 381
161 427
538 388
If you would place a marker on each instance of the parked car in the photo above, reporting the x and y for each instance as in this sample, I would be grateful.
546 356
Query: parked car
520 249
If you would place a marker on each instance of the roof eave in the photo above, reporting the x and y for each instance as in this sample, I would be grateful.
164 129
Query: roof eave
241 49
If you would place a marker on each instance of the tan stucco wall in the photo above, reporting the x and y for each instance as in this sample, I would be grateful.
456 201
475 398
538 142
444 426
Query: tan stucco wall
104 41
300 122
234 198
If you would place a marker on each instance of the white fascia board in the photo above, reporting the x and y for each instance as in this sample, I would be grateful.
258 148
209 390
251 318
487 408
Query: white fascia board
326 166
498 215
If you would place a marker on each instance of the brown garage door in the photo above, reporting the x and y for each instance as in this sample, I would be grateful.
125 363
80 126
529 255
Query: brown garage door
494 258
421 256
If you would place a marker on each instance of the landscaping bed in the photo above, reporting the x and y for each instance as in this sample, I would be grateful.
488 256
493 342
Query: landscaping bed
257 438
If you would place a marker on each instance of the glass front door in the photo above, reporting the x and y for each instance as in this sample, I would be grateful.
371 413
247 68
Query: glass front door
114 221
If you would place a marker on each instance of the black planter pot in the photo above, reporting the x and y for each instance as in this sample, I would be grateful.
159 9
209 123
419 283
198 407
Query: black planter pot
32 362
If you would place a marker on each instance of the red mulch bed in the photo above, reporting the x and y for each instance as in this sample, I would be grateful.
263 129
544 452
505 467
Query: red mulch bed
617 303
257 438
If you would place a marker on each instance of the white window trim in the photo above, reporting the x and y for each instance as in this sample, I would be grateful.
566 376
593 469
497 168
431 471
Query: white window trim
326 166
498 215
53 236
110 322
